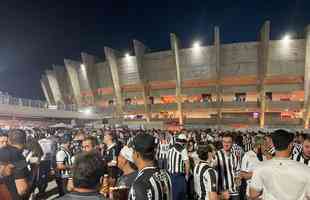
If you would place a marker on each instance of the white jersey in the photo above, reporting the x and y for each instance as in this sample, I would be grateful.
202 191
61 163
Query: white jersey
48 147
282 179
249 163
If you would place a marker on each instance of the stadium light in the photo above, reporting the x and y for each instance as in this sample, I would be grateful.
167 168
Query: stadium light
87 111
83 67
286 38
127 55
196 45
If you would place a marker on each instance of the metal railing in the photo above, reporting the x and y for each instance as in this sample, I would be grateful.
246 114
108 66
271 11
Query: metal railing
10 100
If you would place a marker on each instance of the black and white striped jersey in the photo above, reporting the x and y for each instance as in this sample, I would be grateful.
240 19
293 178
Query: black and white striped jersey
63 156
271 150
111 153
248 143
228 168
297 149
238 151
205 180
151 184
163 149
301 158
171 140
176 159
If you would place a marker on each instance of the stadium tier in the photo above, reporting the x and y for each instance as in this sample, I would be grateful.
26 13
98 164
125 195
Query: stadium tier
261 83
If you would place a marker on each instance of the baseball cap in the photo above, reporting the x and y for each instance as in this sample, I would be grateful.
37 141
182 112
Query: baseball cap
181 138
144 143
65 139
127 152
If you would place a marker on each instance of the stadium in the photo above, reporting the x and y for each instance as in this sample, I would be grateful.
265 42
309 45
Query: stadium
264 83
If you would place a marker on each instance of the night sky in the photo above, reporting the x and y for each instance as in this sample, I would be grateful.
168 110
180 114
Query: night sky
36 34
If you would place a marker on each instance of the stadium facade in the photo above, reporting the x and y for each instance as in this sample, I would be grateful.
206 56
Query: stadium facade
262 83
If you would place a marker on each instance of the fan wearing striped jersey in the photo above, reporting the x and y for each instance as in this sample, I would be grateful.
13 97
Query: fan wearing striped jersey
205 177
228 169
270 151
162 152
304 155
251 160
63 164
151 183
178 167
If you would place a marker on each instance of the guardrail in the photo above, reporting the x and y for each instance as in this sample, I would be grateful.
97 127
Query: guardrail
10 100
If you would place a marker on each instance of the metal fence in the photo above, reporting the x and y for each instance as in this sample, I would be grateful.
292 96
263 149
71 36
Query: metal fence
10 100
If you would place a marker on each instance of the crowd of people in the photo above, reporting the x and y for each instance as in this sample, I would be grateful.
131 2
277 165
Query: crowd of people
122 163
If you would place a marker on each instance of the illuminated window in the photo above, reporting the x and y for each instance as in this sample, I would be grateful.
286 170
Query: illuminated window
240 97
269 96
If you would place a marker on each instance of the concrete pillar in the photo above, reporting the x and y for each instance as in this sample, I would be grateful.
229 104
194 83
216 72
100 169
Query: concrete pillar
217 49
307 80
63 82
46 93
175 50
48 89
72 70
91 74
306 122
51 77
263 63
262 109
139 52
110 55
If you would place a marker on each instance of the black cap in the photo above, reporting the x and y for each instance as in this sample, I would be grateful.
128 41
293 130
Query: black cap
144 143
65 139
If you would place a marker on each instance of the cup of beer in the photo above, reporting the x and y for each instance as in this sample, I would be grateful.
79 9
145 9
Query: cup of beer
119 193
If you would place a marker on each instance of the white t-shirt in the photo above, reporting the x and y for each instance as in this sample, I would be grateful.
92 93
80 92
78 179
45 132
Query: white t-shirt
194 156
184 154
249 164
48 147
282 179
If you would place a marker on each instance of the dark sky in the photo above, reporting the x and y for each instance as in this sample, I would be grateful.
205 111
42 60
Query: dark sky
36 34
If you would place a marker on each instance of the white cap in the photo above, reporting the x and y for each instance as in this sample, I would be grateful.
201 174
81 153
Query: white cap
181 137
127 152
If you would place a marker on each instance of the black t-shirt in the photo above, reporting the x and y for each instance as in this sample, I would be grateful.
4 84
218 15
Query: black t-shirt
151 184
20 172
126 180
82 196
111 153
